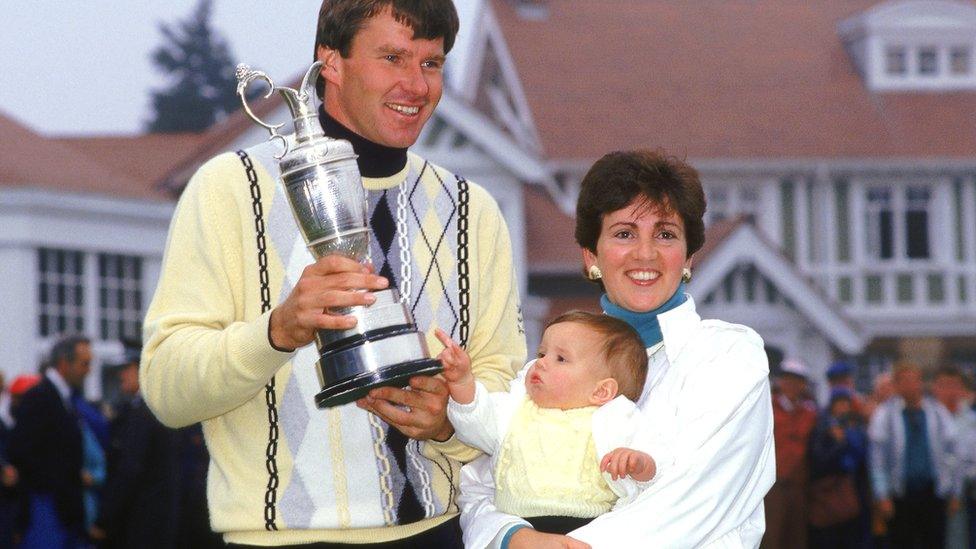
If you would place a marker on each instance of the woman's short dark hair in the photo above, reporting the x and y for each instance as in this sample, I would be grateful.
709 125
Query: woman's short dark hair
340 20
615 180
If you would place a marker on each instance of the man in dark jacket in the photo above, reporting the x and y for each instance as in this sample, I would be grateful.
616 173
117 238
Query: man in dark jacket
46 448
140 501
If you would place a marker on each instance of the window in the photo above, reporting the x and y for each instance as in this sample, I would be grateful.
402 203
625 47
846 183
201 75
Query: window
60 292
959 60
880 223
898 222
917 222
896 60
928 61
718 204
119 296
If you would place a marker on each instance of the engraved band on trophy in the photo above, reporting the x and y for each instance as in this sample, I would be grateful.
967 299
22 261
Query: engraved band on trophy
325 191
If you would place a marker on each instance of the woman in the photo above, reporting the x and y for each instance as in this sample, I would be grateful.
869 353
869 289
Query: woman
707 399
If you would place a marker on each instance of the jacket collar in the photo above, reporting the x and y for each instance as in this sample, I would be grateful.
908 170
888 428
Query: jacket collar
679 326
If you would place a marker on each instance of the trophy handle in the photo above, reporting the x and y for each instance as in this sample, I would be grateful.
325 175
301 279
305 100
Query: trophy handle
245 75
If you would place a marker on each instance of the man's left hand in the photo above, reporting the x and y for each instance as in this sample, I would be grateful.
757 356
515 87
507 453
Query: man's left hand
419 412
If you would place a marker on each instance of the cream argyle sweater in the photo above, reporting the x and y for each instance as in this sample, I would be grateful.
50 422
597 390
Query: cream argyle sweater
283 471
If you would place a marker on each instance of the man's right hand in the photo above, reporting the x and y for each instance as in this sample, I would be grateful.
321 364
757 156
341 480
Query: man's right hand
330 282
527 538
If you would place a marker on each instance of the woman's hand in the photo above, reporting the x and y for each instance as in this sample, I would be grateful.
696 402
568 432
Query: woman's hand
624 462
527 538
457 369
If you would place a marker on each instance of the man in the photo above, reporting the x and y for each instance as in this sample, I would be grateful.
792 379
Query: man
949 388
46 448
794 416
9 507
913 462
139 502
238 354
840 375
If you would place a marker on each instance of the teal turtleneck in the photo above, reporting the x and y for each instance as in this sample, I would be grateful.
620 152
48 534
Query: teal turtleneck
646 324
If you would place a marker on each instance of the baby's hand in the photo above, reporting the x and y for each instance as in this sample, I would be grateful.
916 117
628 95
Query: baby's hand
624 462
457 369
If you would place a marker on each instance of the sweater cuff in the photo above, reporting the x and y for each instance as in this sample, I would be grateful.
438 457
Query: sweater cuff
251 348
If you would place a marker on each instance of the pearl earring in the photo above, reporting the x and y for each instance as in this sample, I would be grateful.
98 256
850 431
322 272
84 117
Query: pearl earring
686 274
593 273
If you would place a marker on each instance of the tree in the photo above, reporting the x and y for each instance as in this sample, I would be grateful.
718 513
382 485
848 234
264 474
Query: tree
203 86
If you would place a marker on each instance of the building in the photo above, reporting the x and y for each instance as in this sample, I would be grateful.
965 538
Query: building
836 141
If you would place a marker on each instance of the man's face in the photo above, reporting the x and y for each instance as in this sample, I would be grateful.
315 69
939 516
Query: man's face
792 386
129 379
74 372
949 390
908 385
387 88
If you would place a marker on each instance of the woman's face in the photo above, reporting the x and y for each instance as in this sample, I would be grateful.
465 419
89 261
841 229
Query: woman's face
640 251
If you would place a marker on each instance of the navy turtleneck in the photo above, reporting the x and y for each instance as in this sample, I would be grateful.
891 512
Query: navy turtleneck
646 324
374 160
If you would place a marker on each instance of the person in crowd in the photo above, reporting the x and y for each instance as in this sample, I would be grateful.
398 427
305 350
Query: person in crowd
9 502
230 330
140 503
882 389
840 374
639 222
913 462
795 414
839 487
194 520
949 387
47 449
94 442
564 440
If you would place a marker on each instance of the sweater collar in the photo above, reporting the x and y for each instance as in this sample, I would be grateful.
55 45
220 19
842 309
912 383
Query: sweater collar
375 160
646 324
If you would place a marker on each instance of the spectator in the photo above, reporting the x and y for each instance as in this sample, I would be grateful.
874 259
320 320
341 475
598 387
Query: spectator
838 476
912 461
883 390
139 509
949 388
840 374
9 505
46 447
794 415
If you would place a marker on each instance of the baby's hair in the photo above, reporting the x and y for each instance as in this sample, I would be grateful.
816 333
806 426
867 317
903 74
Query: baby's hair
623 351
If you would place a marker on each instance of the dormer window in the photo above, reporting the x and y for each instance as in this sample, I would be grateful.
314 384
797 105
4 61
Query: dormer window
959 60
928 61
896 60
911 45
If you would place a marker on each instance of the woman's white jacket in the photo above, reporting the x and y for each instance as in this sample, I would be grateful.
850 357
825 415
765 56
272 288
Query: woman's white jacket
707 398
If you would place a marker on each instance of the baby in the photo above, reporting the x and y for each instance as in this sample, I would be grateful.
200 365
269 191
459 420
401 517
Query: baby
562 443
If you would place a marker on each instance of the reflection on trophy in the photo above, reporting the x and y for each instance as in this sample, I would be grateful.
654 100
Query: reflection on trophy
325 190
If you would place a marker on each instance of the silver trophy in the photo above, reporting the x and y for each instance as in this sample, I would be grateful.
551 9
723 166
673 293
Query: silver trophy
326 195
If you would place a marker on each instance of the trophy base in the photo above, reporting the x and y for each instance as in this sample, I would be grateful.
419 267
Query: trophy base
398 375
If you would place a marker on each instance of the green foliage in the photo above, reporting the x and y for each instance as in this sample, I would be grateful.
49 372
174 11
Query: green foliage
201 73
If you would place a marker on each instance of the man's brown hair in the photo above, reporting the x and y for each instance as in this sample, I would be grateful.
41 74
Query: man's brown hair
340 20
623 351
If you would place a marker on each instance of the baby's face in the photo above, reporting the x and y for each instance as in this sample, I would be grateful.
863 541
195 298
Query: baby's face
567 367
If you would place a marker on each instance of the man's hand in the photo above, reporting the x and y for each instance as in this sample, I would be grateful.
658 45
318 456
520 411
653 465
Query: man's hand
457 369
330 282
96 533
419 412
624 462
527 538
953 506
87 480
